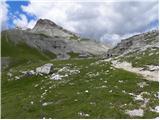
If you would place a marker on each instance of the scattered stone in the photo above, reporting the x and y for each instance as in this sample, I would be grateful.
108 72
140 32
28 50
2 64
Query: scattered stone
92 103
32 102
139 97
156 109
17 78
110 91
74 72
86 91
153 67
9 74
142 84
145 103
135 112
120 81
131 94
123 91
103 86
36 85
105 81
71 84
50 87
83 114
78 93
150 54
56 77
46 103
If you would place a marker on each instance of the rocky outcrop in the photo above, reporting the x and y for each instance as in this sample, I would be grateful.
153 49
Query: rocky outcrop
45 69
137 42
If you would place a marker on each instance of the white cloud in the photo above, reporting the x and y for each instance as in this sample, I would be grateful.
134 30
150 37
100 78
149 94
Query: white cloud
113 39
23 22
100 19
3 14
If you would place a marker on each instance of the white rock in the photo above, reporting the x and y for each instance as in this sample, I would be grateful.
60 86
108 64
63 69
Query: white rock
83 114
131 94
142 84
135 112
32 72
153 68
9 74
110 91
105 81
86 91
103 86
36 85
123 91
17 78
92 103
50 87
45 69
156 109
139 97
32 102
46 103
120 81
56 77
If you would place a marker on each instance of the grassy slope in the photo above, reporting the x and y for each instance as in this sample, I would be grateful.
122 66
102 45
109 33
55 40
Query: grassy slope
140 59
17 94
20 53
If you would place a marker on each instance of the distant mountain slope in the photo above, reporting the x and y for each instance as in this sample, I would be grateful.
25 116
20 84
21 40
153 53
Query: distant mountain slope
48 37
140 50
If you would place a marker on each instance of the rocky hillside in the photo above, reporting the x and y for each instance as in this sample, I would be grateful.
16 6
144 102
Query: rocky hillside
140 49
139 54
47 37
122 86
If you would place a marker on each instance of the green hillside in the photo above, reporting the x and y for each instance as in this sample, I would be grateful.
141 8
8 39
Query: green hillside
21 52
98 91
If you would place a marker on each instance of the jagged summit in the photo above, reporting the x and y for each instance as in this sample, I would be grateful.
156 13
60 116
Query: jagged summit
45 22
49 28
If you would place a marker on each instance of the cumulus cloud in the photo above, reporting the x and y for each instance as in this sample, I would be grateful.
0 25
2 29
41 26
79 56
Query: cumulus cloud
3 15
23 22
105 21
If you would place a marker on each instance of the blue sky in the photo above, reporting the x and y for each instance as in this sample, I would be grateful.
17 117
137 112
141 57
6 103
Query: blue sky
97 20
14 8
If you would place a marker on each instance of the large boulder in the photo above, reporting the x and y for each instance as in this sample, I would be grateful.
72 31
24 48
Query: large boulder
45 69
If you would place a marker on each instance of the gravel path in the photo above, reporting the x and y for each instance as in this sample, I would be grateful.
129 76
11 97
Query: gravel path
149 75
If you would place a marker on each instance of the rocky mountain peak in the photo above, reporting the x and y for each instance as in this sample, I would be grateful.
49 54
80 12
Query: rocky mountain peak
49 28
45 22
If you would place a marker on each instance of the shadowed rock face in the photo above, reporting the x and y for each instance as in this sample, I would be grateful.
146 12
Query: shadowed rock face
47 36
